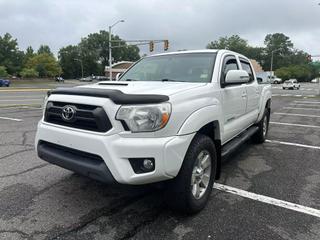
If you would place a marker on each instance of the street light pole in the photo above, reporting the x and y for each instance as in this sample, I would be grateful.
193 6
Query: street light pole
110 55
110 49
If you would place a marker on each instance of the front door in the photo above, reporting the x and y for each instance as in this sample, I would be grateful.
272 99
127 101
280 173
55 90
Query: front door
234 101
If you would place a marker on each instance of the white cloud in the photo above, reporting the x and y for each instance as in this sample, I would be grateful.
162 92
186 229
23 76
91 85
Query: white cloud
188 24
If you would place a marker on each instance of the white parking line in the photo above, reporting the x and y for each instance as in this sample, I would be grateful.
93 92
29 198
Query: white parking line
293 144
268 200
12 119
294 125
295 114
292 95
306 102
307 105
312 109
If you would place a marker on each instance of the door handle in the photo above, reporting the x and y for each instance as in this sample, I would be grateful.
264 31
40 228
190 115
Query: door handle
244 95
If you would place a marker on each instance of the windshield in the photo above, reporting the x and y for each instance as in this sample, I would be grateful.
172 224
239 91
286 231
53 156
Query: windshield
187 67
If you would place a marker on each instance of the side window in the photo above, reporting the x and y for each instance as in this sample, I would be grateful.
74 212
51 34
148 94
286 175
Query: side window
247 67
229 63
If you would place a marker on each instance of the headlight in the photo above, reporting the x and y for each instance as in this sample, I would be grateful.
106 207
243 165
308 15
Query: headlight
145 118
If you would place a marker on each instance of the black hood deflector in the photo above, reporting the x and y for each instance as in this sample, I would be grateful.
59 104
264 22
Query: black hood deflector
115 95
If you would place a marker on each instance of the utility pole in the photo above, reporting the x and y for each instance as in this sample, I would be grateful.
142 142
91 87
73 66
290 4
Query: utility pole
110 49
271 65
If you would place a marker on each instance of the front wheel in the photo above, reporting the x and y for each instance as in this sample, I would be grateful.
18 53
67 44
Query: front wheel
263 128
190 190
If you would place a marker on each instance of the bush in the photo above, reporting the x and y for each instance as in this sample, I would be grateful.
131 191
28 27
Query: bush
29 73
3 71
302 73
45 65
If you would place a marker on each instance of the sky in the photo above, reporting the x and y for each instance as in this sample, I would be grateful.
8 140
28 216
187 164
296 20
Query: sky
188 24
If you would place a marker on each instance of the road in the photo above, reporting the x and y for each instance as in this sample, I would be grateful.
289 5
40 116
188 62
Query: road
30 95
306 90
42 201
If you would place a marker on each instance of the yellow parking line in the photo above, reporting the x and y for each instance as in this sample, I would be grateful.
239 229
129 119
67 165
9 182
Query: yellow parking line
26 90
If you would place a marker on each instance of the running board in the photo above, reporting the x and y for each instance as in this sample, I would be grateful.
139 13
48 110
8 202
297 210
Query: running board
231 146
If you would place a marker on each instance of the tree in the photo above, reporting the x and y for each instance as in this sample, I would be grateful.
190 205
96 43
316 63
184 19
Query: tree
3 71
284 53
97 45
282 48
10 55
283 73
237 44
93 51
301 72
233 43
29 52
44 49
45 64
71 68
29 73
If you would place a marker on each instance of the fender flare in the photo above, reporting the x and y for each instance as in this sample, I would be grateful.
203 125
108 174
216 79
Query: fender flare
200 118
264 102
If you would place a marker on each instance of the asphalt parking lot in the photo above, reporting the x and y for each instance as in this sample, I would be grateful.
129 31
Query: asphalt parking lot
268 191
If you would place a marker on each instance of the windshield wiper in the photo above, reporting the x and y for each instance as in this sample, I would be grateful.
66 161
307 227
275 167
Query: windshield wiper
129 79
170 80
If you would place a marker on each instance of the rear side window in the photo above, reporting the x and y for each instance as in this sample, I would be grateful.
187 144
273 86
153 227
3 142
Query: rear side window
247 67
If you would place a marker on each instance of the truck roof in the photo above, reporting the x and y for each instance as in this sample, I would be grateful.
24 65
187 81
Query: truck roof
199 51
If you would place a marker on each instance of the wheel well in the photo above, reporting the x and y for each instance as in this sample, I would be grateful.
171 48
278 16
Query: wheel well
212 130
268 104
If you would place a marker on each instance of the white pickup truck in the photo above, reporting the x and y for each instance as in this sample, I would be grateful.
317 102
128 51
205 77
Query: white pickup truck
170 118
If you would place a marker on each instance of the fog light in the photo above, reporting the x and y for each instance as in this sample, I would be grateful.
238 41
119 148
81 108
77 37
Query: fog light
148 164
142 165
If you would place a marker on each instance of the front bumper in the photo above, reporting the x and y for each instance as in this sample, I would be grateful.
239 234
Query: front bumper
114 151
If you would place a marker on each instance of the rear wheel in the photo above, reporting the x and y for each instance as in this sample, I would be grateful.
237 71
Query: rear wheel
261 135
190 190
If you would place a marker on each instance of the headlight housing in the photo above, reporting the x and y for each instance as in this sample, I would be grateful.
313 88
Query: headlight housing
44 103
145 118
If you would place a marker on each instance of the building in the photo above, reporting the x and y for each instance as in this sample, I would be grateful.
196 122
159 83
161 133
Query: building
118 67
256 66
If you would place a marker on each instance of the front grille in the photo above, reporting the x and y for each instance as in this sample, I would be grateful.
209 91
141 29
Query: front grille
87 117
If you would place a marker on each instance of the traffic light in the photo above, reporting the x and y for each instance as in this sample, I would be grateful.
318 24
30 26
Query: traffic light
166 45
309 58
151 46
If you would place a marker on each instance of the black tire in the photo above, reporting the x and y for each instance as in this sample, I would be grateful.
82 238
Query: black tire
262 133
179 194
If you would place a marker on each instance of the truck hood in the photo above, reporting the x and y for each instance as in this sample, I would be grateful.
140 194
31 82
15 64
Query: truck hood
147 87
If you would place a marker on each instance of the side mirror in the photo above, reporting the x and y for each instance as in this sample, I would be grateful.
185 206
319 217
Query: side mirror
259 79
236 77
118 76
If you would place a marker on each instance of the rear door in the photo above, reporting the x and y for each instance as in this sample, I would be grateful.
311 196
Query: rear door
253 92
234 100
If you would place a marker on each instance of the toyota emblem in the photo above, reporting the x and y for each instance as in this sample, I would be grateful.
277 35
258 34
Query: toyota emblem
68 113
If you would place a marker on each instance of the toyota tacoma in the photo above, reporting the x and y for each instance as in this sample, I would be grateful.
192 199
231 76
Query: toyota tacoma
170 118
